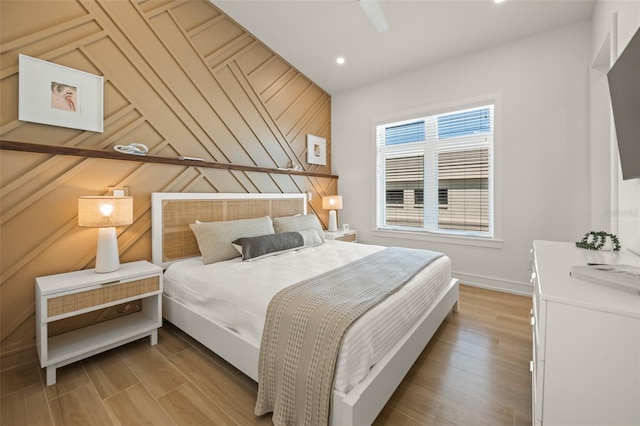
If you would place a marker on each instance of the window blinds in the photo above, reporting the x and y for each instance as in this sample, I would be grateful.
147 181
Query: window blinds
464 175
404 178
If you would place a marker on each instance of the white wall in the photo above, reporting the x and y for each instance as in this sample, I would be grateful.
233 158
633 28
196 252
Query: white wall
544 86
615 203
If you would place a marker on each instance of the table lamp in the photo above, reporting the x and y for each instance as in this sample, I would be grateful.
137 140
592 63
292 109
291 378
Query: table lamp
332 203
105 213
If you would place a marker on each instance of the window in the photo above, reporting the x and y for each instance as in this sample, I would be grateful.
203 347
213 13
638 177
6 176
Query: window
434 173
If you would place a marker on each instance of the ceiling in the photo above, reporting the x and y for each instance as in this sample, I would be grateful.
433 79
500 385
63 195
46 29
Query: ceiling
311 34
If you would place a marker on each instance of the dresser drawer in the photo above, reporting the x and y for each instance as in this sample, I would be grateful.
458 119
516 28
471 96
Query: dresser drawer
105 294
538 386
539 315
535 313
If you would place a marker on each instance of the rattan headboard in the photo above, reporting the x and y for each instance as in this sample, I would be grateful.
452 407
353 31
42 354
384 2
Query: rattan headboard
171 214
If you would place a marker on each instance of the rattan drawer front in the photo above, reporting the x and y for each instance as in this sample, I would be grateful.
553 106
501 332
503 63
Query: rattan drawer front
87 299
349 238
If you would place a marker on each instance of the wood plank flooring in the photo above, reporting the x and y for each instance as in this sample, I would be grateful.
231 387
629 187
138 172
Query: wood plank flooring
475 371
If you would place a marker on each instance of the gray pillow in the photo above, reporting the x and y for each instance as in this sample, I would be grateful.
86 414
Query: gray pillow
253 248
215 238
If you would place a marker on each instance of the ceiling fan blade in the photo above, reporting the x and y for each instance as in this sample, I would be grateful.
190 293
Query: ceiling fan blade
373 11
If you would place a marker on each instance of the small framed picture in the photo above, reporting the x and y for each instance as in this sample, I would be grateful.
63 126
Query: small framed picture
316 150
53 94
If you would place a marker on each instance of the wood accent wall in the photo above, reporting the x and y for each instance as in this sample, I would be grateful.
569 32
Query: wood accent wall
180 77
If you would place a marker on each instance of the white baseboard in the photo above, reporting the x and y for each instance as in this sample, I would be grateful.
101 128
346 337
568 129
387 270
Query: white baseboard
492 283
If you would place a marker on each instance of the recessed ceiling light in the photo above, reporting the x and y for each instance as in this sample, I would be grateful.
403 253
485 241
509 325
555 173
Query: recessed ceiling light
340 60
498 1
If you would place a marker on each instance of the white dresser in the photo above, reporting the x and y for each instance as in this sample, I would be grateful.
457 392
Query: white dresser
586 341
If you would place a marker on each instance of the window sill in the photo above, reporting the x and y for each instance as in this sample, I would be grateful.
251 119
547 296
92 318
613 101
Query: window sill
439 238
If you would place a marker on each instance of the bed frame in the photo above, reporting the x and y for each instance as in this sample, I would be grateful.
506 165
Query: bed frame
172 240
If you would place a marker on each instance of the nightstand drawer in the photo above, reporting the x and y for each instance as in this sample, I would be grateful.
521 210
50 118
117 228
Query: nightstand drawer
349 238
100 296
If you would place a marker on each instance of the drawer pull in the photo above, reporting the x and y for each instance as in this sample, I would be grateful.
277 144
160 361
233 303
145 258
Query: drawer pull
111 282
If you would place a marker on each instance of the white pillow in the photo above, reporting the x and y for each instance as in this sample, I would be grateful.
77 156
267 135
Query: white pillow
214 238
297 223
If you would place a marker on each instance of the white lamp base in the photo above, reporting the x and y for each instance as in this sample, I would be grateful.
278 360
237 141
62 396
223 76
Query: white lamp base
333 221
107 258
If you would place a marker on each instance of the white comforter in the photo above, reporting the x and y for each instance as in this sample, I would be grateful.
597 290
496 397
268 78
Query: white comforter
236 294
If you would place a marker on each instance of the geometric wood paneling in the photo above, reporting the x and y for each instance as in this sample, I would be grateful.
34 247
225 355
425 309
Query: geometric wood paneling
180 77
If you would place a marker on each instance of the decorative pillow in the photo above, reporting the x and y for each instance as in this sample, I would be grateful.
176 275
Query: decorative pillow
253 248
214 238
312 237
297 223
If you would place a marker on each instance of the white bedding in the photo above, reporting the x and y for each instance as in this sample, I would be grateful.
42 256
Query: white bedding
236 294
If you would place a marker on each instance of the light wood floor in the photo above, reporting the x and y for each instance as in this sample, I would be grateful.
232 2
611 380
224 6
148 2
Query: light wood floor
474 372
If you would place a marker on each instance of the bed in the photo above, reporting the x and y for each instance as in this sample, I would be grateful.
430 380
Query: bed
365 378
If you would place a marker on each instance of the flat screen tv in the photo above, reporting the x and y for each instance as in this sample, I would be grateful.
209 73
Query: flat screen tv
624 89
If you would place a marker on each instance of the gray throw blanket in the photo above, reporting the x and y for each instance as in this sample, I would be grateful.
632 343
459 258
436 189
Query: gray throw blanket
306 323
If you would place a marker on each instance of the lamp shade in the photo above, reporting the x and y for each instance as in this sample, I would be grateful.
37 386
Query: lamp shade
332 202
101 212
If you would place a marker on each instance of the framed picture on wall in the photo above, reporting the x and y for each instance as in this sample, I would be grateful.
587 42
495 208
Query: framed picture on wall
59 96
316 150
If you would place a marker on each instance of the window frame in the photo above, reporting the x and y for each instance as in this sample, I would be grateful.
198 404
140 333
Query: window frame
455 237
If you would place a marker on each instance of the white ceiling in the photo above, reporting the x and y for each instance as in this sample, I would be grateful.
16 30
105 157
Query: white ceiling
311 34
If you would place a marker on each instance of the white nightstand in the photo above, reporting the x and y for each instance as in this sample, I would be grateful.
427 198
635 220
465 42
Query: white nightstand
74 293
350 236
